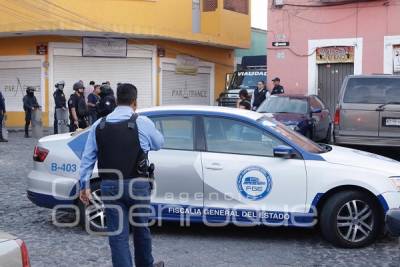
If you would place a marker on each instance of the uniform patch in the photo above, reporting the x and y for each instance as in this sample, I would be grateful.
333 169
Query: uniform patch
254 183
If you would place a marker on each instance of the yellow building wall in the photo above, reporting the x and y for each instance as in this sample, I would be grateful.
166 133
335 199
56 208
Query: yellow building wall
171 19
230 27
222 58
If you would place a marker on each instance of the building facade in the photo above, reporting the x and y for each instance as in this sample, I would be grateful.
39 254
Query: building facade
174 51
313 45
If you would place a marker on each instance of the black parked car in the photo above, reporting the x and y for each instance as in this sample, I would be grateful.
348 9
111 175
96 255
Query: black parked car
307 115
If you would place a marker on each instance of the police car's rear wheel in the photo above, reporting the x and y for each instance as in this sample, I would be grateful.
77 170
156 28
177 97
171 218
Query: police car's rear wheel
351 219
93 215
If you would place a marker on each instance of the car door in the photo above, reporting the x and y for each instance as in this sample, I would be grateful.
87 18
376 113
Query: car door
179 177
241 175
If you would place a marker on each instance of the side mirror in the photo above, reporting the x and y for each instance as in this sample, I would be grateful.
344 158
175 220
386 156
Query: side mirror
285 152
316 110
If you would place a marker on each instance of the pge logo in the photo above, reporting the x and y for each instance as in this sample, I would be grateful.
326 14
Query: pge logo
254 183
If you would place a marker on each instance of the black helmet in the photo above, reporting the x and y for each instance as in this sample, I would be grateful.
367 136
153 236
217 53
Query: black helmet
30 89
77 86
59 83
105 89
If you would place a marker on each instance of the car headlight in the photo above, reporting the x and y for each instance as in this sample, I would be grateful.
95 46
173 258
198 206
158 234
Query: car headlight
396 182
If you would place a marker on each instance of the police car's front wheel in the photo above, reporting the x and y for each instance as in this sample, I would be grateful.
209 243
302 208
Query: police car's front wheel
92 217
351 219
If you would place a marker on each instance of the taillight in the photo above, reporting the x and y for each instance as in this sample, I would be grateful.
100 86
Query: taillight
337 116
40 154
24 253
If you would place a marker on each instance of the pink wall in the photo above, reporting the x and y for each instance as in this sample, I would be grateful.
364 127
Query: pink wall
370 21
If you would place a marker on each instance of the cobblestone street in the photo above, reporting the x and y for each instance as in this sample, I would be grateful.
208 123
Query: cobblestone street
195 246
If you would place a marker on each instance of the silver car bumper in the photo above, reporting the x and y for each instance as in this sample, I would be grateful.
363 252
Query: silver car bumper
367 141
393 221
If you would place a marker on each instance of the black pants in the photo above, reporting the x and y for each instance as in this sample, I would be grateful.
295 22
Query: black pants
55 123
28 118
92 117
27 123
1 126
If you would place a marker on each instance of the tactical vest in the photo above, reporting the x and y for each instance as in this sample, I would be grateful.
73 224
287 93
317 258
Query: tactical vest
259 97
118 148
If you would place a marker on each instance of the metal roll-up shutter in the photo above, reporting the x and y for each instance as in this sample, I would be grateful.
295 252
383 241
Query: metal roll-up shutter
179 89
137 71
15 77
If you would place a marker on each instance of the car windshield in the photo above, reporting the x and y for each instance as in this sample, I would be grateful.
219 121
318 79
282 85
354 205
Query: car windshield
247 79
372 90
283 104
293 136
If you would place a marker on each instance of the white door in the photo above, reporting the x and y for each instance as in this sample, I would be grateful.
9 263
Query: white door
137 71
15 77
242 175
180 89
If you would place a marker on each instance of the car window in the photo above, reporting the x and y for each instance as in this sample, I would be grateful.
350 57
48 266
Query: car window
231 136
247 79
372 90
177 131
299 139
283 104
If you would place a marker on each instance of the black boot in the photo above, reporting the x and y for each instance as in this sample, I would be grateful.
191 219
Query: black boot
2 140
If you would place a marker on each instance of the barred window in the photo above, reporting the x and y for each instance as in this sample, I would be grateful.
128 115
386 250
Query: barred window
241 6
210 5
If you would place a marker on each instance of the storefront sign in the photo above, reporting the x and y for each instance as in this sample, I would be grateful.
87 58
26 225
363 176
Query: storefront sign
160 51
185 93
335 54
41 49
186 65
104 47
396 59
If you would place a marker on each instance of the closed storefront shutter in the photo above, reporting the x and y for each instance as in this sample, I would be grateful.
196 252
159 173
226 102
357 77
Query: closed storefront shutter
137 71
179 89
15 77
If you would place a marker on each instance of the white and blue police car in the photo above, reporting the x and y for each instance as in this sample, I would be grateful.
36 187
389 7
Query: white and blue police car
222 165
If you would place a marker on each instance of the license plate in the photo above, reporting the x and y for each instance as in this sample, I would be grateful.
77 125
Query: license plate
392 122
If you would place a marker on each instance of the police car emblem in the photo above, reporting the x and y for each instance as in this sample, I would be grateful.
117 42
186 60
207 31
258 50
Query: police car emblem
254 183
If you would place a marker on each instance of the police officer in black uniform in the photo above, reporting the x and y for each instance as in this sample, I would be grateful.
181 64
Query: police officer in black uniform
278 88
77 108
59 101
259 95
30 104
2 115
107 101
